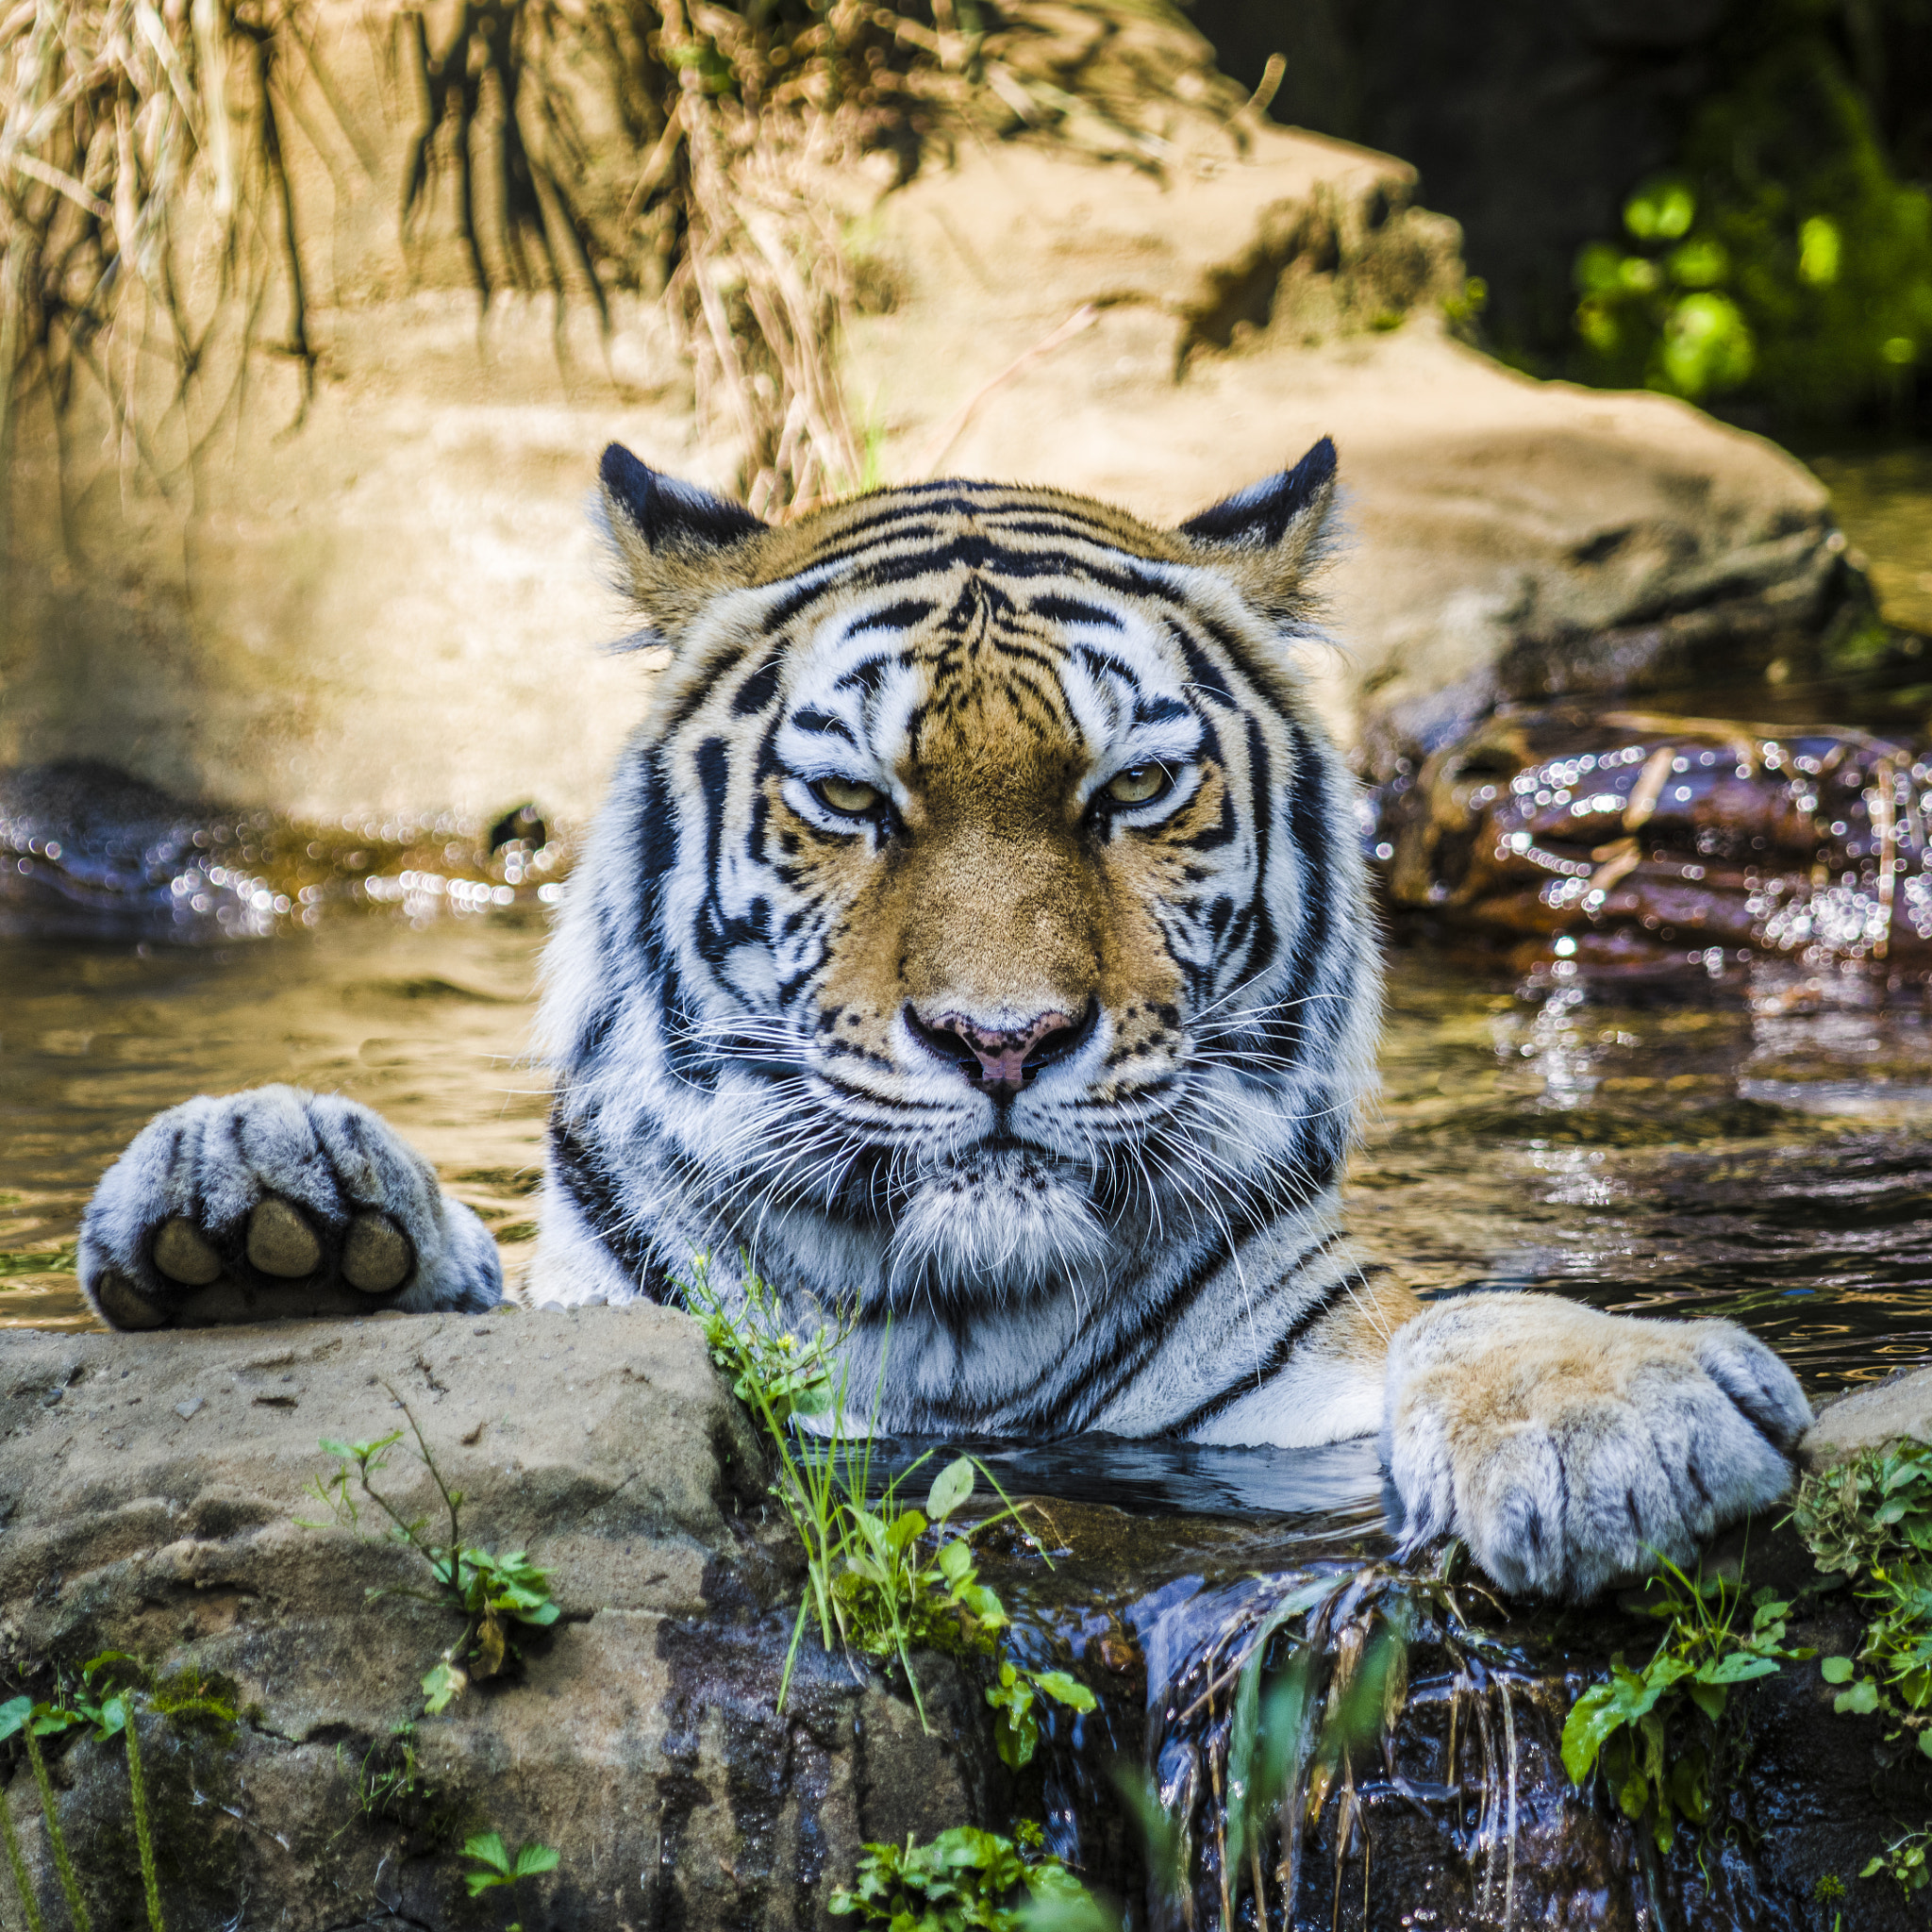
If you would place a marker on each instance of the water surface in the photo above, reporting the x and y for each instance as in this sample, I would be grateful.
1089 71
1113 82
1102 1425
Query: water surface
1762 1154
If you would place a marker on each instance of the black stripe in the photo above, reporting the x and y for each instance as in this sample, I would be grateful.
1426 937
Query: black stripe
598 1198
759 689
1293 1024
1278 1357
1058 608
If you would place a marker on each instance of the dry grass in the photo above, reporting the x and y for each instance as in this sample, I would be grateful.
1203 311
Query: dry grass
576 146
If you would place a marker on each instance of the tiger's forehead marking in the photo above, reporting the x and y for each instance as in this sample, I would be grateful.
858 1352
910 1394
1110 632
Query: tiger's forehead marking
920 527
960 628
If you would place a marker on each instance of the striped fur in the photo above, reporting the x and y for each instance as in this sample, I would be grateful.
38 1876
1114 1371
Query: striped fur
1136 1241
976 942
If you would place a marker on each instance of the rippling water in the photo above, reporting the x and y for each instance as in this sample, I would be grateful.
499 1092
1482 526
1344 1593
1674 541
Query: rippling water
1762 1154
424 1022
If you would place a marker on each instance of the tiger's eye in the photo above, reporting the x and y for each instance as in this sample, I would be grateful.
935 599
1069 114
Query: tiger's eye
1137 784
842 795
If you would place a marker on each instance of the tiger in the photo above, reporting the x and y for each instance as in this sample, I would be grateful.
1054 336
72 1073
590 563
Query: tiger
975 947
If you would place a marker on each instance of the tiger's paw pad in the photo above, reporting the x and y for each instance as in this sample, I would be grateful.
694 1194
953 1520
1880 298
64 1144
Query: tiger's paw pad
1570 1449
276 1202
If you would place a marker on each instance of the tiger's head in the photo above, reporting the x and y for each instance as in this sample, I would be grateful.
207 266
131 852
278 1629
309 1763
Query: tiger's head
979 907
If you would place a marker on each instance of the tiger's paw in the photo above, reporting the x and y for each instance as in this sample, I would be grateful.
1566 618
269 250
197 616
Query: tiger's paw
1569 1449
276 1202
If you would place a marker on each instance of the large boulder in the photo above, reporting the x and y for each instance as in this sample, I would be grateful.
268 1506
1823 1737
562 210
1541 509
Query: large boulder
1507 539
154 1492
153 1495
386 598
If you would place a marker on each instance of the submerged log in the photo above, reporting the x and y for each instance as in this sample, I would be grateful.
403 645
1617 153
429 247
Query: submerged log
1592 842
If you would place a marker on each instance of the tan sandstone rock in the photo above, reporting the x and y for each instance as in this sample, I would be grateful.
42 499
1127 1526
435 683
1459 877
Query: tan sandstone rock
1508 537
391 599
150 1491
1896 1408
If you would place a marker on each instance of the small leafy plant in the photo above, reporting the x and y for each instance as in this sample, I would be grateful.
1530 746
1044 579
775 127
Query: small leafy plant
1015 1697
500 1868
1871 1520
1873 1509
877 1582
493 1593
964 1880
1904 1859
1626 1725
103 1701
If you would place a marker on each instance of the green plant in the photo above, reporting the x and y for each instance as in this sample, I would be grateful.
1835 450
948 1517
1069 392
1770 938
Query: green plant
964 1880
1277 1709
1870 1519
103 1701
493 1593
1626 1724
1014 1697
1871 1508
390 1775
499 1868
1904 1860
875 1581
1781 257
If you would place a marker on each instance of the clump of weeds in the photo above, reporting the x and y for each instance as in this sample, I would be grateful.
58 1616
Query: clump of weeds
494 1594
883 1576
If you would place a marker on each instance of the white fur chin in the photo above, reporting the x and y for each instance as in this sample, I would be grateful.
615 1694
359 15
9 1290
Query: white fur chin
994 1224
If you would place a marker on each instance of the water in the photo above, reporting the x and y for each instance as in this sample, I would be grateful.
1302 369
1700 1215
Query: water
1760 1153
425 1021
1884 500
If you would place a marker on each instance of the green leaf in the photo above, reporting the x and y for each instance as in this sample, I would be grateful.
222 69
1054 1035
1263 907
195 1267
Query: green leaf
1065 1689
1708 1698
1739 1668
1925 1742
1014 1737
1874 1868
535 1859
489 1849
1860 1698
814 1397
14 1714
956 1561
442 1683
1838 1669
985 1604
950 1487
1689 1792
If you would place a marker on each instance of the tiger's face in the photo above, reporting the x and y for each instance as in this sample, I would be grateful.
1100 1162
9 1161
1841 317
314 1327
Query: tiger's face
1000 900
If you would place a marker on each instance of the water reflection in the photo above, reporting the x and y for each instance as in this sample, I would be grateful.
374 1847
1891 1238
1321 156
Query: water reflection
426 1023
1760 1152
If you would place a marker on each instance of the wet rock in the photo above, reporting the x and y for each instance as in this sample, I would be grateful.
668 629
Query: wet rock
1462 1815
1889 1412
153 1508
1508 539
88 851
1595 842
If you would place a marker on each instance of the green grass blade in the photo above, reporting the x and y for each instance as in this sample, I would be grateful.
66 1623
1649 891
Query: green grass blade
63 1865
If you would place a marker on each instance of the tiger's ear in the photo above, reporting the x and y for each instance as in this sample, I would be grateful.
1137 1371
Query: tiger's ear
1271 537
677 547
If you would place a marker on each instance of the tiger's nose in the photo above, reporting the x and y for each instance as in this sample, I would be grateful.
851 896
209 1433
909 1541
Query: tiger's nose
1000 1060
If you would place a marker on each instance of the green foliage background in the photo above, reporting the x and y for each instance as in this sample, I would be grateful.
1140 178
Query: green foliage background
1782 259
